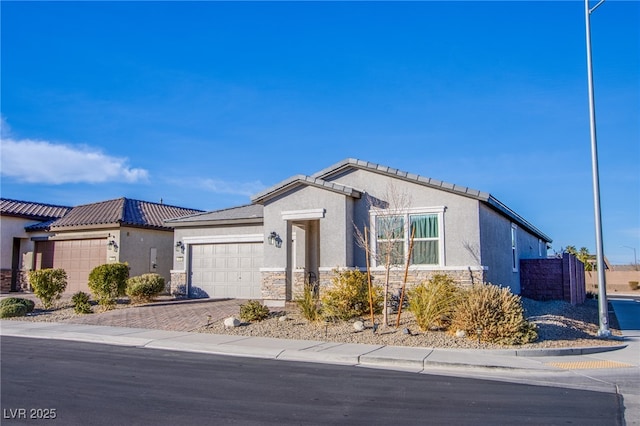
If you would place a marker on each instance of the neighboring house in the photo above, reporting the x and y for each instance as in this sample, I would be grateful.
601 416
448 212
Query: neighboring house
120 230
304 227
15 245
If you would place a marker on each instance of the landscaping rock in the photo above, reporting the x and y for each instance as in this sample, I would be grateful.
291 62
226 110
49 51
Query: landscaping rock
358 326
231 322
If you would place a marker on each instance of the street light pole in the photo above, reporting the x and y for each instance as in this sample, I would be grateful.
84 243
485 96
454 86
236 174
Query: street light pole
603 331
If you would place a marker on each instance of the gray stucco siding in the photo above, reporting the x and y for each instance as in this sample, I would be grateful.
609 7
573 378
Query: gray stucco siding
496 250
333 246
461 223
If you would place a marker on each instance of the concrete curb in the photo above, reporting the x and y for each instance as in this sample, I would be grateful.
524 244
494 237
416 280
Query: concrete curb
398 357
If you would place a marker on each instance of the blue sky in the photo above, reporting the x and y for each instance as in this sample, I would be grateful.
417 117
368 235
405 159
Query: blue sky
202 104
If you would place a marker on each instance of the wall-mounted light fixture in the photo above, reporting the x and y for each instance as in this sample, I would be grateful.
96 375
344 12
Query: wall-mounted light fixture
180 247
111 245
274 239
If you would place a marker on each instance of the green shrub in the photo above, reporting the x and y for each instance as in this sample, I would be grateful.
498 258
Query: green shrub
634 285
349 296
29 304
107 282
253 310
48 285
309 304
13 310
434 302
81 303
144 287
493 314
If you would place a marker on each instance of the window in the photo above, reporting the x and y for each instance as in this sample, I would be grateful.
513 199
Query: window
514 247
393 236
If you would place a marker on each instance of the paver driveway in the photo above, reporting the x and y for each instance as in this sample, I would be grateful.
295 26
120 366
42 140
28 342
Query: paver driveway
174 315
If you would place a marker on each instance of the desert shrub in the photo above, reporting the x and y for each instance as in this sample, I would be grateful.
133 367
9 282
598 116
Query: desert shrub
253 310
80 301
309 304
349 296
29 304
13 310
144 288
493 314
634 285
107 282
48 285
433 303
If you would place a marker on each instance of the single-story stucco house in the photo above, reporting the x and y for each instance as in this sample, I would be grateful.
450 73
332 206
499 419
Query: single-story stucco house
15 242
83 237
305 227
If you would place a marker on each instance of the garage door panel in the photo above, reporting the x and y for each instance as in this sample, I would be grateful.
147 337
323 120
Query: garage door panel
225 270
78 258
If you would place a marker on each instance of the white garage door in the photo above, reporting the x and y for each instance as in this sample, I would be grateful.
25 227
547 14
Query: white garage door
225 270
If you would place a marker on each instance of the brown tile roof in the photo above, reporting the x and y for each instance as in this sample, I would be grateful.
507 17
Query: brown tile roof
122 211
31 210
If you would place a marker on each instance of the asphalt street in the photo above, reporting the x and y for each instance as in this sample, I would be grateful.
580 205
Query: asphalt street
94 384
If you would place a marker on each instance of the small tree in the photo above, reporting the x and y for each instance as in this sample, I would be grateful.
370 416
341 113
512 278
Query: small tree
108 282
48 285
388 247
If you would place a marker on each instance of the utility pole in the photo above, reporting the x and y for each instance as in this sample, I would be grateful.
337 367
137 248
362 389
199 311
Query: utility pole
603 309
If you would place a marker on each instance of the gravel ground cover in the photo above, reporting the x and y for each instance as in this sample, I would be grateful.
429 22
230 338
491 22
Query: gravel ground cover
560 324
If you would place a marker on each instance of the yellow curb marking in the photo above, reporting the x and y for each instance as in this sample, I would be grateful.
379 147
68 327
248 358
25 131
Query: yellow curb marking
588 364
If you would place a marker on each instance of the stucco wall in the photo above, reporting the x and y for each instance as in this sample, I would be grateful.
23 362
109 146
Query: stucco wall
135 248
10 228
334 250
460 216
496 252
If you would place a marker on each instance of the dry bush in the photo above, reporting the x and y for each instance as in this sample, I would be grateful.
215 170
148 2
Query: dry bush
349 296
493 314
433 303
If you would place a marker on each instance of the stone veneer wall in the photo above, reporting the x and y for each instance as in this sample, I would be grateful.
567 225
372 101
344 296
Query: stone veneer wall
5 281
463 278
178 284
299 279
274 285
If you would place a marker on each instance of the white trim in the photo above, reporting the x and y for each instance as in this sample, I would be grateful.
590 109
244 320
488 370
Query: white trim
303 214
273 269
216 239
515 256
432 268
410 210
439 210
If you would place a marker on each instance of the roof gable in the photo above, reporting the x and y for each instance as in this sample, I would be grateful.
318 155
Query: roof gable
303 180
352 163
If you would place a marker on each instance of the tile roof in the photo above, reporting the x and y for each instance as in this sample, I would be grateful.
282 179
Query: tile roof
246 213
31 210
122 211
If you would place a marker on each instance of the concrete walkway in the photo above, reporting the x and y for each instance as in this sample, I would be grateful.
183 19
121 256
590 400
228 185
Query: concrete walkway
167 326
